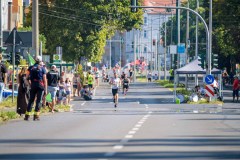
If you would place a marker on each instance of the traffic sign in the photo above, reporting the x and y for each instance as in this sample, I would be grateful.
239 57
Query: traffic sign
181 48
18 39
209 79
209 90
56 58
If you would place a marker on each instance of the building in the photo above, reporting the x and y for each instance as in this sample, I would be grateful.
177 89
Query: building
12 14
149 43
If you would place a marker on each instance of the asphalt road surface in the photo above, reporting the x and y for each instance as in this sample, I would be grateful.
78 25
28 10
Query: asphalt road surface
145 125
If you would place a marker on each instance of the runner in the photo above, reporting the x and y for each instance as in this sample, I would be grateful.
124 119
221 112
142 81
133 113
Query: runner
115 82
125 82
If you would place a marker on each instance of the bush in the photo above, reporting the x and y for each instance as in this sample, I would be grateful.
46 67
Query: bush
163 82
169 85
183 91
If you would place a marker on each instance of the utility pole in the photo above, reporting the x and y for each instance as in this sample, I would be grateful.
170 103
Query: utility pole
151 43
35 27
196 43
134 52
165 49
187 41
13 62
178 29
210 38
1 24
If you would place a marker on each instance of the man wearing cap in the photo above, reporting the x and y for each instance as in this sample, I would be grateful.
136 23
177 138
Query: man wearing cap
235 88
38 81
53 79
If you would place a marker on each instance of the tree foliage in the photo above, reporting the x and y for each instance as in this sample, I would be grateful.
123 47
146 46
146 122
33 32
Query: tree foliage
81 27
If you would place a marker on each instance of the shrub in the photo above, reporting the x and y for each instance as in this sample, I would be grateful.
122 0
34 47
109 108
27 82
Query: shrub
169 85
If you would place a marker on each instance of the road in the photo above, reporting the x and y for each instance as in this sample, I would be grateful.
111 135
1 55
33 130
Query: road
146 125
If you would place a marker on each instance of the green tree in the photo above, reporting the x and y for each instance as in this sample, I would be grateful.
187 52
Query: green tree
81 27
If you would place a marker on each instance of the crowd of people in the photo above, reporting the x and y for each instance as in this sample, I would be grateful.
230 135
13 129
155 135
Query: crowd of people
46 88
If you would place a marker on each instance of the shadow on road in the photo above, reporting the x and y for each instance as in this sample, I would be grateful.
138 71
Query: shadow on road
216 143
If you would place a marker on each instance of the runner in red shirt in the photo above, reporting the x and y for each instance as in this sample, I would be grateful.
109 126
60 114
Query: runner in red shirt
235 88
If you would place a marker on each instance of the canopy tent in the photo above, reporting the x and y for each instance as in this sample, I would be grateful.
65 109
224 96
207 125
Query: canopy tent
194 68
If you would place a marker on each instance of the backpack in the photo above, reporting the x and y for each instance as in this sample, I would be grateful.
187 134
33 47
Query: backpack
34 75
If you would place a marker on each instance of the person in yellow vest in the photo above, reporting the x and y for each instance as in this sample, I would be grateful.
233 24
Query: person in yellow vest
90 80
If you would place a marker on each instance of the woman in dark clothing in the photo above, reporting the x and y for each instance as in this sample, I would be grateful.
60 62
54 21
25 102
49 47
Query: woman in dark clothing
23 91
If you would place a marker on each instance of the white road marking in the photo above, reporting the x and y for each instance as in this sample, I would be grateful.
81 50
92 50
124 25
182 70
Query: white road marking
131 132
140 122
135 129
129 136
146 105
118 147
83 103
138 125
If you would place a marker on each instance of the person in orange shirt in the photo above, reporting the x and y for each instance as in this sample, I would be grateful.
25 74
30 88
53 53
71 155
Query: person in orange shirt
235 88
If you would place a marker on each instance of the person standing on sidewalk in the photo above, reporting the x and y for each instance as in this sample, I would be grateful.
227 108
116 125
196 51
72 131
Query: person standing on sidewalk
235 88
53 79
3 77
38 81
23 91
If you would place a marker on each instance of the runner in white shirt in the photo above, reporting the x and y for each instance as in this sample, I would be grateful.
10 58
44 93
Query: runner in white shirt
115 82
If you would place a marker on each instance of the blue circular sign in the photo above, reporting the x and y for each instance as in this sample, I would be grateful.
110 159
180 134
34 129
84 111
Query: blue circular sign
209 79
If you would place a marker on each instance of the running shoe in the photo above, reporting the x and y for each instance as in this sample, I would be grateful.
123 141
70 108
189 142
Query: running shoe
115 106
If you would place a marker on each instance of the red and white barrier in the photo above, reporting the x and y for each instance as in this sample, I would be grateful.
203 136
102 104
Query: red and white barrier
209 90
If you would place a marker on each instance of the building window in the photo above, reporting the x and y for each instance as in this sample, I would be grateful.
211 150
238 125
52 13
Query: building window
145 49
145 20
145 34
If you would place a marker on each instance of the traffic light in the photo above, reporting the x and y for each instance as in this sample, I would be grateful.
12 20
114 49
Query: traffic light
17 58
214 61
133 3
201 60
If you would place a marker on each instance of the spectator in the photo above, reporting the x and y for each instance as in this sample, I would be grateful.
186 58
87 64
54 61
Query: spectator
235 88
68 90
38 88
149 77
53 78
62 92
23 92
155 77
75 83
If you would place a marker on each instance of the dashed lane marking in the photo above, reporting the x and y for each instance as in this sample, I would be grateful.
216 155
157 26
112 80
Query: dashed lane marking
117 147
83 103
